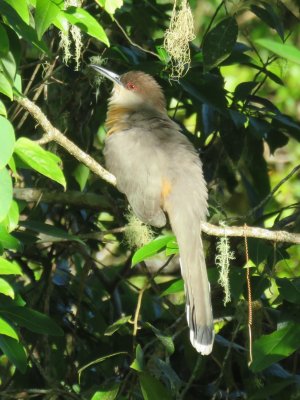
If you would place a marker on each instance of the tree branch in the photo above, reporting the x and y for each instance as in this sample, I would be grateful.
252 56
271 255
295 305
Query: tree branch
72 197
53 134
251 231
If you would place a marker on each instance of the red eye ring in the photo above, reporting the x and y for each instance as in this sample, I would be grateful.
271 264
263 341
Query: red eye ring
130 86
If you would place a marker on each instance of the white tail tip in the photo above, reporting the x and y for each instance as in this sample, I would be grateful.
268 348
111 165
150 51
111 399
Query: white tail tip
204 349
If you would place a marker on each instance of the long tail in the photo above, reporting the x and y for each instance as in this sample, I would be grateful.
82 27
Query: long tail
185 218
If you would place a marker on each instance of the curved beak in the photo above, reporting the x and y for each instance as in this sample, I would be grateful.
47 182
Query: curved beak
108 74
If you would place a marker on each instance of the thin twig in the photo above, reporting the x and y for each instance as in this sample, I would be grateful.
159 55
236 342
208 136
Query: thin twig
18 109
171 308
160 269
211 22
224 364
131 42
273 191
39 90
192 378
137 310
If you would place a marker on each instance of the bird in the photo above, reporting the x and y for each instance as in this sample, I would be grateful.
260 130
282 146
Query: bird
160 173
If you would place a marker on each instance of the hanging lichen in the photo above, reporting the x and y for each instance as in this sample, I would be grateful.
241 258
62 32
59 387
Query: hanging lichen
223 258
71 33
177 38
137 234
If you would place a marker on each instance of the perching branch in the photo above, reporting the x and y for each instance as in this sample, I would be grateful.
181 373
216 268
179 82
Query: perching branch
251 231
53 134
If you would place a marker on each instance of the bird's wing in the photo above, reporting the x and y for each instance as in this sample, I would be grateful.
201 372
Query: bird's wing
137 162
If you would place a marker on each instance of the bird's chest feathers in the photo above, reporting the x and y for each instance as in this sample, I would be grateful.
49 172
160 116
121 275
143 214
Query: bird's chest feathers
122 118
117 119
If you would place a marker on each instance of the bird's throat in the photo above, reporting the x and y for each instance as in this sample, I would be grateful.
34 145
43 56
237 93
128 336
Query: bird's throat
116 119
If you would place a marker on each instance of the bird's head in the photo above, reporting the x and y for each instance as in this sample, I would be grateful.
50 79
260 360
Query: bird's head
134 89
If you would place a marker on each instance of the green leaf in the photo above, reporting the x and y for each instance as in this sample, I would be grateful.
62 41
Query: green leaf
289 289
139 281
16 46
276 139
20 27
172 248
232 138
6 193
7 141
268 15
287 51
3 109
12 165
166 340
271 389
152 248
288 124
8 66
43 161
14 351
99 360
170 377
152 389
21 7
138 362
4 41
219 42
238 118
6 289
272 76
7 329
244 89
5 86
81 175
209 89
17 301
259 127
81 18
12 219
61 23
32 320
110 6
175 287
269 349
107 393
111 329
7 240
17 88
45 13
50 233
163 54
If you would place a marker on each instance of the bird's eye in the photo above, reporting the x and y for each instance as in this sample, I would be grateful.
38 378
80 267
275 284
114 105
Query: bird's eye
130 86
